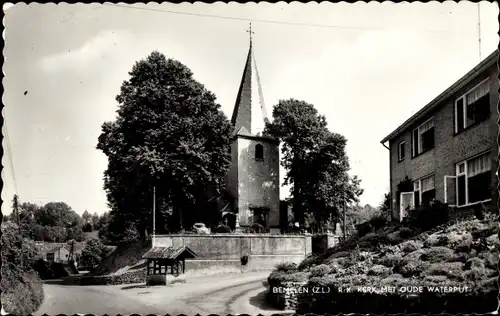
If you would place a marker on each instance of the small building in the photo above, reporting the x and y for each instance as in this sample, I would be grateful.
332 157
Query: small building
58 254
166 265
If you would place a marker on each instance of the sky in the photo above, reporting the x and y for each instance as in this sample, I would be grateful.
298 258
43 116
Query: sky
366 66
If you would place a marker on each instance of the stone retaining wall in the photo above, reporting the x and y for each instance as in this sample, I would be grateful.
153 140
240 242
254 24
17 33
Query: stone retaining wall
223 253
285 295
129 277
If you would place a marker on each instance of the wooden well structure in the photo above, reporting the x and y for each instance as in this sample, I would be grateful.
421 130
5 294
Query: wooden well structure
166 264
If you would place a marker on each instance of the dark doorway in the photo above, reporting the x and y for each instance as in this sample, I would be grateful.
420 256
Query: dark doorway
261 216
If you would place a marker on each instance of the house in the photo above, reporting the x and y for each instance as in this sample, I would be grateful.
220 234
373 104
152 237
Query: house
52 252
448 150
58 254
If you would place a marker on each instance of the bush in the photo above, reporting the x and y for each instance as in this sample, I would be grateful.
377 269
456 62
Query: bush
427 217
411 245
257 229
379 270
449 269
479 211
438 254
222 229
364 228
406 232
286 266
321 270
474 263
22 291
49 270
93 253
490 259
390 260
412 268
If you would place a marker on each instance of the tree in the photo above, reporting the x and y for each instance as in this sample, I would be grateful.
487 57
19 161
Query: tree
169 134
93 253
118 231
95 221
58 214
385 207
315 161
86 217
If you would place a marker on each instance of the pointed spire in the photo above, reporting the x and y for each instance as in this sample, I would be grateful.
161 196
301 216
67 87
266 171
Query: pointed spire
248 111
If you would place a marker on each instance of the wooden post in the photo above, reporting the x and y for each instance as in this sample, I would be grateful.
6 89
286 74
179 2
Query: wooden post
154 214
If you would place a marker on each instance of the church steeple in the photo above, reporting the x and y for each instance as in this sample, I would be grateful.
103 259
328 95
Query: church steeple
249 109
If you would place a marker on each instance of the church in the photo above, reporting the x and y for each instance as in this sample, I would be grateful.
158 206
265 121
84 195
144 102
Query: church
252 182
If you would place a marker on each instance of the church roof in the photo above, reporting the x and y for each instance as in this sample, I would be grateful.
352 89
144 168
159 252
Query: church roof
249 109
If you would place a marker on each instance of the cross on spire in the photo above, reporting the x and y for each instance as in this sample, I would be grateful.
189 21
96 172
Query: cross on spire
250 32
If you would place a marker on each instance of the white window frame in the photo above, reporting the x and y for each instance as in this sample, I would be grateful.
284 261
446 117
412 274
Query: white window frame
399 150
446 190
419 185
401 209
464 104
465 172
418 150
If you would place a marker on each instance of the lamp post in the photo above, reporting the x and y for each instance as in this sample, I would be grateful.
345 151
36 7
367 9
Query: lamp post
345 217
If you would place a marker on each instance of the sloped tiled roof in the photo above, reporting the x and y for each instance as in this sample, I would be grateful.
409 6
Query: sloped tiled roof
172 253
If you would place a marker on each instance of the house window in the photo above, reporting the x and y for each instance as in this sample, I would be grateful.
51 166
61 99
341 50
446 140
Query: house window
474 180
424 190
423 137
401 151
473 107
259 152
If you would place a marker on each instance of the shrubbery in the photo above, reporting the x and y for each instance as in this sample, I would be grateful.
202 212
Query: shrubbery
22 291
257 229
286 266
221 229
463 253
93 253
50 270
321 270
427 216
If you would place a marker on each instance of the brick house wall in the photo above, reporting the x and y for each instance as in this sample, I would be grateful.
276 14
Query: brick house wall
449 149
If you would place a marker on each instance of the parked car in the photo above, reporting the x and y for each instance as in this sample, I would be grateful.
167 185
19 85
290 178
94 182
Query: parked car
200 228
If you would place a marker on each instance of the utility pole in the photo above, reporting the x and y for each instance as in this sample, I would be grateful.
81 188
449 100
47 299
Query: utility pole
154 214
345 217
479 28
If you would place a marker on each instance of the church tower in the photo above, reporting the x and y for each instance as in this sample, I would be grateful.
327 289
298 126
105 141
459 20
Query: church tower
253 177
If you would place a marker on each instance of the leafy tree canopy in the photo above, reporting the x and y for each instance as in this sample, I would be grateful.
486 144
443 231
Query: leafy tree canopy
315 160
57 214
169 133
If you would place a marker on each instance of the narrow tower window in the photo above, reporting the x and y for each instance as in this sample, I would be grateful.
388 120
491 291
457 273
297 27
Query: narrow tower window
259 152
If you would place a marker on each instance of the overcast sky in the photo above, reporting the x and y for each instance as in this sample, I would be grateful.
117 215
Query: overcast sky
367 71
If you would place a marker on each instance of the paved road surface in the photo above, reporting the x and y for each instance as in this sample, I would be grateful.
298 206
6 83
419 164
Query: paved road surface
223 294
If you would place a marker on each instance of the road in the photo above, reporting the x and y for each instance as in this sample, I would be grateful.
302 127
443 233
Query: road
222 294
